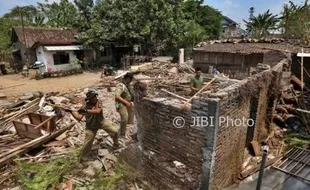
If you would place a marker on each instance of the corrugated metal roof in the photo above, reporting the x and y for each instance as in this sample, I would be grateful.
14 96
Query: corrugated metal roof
64 48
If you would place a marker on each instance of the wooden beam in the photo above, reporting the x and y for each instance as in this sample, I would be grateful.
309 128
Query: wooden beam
174 95
32 144
251 171
199 91
44 122
302 71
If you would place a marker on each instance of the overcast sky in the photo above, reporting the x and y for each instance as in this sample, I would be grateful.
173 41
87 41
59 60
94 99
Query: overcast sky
235 9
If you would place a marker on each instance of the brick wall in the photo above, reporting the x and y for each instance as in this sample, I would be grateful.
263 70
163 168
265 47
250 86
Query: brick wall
164 143
232 139
213 155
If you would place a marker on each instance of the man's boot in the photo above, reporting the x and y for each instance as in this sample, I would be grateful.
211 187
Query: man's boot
115 141
123 132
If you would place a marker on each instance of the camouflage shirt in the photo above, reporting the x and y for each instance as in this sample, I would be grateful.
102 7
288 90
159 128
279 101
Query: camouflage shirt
93 121
124 92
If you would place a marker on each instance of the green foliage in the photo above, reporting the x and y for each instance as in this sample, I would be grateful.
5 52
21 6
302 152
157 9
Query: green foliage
62 14
44 175
29 14
151 23
205 16
262 24
295 21
296 140
122 171
169 24
85 14
6 25
6 55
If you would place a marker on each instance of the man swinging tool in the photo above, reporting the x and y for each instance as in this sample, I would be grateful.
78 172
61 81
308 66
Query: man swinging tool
94 121
196 82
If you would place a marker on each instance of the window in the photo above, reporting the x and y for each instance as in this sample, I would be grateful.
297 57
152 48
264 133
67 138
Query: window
106 52
61 58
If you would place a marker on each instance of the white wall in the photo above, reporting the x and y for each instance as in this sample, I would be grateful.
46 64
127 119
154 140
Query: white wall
47 58
40 54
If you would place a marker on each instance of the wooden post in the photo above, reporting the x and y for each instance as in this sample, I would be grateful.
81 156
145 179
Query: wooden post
302 70
242 61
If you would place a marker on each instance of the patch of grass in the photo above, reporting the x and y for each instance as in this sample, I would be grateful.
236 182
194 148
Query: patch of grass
296 140
44 175
122 171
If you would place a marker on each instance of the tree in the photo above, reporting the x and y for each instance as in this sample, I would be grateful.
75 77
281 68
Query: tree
29 14
262 24
62 14
295 21
6 25
160 23
205 16
85 10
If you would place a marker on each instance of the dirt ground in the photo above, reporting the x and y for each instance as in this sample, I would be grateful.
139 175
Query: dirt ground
16 85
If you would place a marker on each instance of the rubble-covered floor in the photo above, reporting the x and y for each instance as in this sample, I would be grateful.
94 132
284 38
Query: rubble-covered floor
171 77
69 142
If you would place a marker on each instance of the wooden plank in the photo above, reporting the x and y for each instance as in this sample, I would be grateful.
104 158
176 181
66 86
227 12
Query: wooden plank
44 122
25 130
174 95
32 144
3 96
251 171
28 107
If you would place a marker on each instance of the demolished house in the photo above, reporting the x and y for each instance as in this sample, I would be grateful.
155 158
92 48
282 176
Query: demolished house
176 152
184 142
211 156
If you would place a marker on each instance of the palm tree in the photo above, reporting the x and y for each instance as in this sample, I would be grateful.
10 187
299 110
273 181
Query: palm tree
28 14
262 24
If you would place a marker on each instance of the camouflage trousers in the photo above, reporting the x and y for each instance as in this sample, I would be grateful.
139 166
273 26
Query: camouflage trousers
127 117
90 135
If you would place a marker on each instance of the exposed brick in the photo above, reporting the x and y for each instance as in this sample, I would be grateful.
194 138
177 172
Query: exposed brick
214 155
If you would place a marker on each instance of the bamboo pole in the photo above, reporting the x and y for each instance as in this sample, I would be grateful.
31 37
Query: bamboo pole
174 95
302 70
186 103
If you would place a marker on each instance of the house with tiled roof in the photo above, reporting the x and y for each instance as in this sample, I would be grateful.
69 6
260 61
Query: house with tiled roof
239 58
55 48
231 28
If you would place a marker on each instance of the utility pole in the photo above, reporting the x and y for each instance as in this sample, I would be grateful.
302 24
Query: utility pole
262 167
24 36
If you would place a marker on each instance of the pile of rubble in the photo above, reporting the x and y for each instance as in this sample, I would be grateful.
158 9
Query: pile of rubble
57 134
167 79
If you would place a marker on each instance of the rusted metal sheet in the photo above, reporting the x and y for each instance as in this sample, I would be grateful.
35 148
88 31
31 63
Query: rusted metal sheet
296 163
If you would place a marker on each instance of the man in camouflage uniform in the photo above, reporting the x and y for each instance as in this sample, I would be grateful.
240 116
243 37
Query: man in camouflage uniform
94 121
124 96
